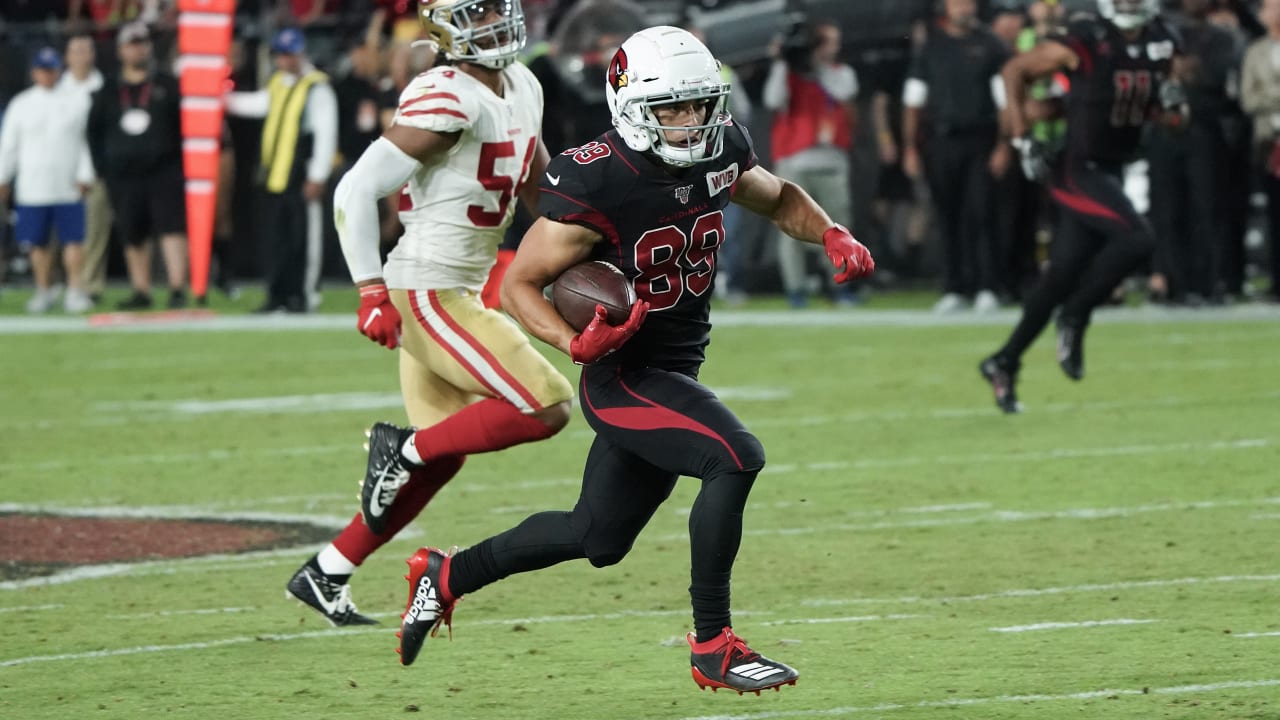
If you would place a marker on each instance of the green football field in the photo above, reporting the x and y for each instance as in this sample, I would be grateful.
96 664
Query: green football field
1112 553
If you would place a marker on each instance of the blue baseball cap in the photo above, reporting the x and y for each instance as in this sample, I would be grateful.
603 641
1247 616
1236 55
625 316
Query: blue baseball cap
46 58
288 41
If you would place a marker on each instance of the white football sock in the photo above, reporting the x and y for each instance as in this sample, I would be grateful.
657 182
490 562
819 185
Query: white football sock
410 450
332 562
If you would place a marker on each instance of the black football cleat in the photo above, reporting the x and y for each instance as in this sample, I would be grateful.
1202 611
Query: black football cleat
727 662
1071 351
385 474
430 604
1004 380
331 599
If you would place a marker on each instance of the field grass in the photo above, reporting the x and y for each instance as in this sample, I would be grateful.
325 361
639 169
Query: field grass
908 548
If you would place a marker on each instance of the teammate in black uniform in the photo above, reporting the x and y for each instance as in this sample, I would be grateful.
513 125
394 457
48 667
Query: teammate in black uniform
647 197
1119 66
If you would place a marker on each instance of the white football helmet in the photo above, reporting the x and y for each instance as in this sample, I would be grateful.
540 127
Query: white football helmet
663 65
484 32
1129 14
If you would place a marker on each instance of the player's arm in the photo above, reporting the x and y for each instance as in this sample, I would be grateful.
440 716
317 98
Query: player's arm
548 249
797 214
529 190
383 168
1046 58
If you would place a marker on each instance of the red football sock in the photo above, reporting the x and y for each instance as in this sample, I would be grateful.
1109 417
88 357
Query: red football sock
483 426
358 542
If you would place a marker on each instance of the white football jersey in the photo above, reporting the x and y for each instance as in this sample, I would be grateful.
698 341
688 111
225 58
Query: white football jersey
456 210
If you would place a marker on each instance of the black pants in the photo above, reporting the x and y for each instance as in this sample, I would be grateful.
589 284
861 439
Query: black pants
1271 186
284 241
1100 239
961 185
652 426
1018 220
1190 196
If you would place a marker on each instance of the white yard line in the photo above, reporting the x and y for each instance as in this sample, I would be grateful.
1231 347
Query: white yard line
1039 592
203 563
999 699
175 512
843 619
1069 625
996 517
1256 634
169 613
32 608
16 325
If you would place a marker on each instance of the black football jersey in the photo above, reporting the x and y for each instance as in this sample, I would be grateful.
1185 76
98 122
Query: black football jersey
662 228
1115 87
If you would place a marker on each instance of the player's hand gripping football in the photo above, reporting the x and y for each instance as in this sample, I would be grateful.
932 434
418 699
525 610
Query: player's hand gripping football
1034 157
377 318
599 338
850 257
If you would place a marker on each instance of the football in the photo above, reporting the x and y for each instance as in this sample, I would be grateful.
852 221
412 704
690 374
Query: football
579 289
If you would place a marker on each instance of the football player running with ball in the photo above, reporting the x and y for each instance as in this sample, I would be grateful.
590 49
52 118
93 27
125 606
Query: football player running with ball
648 197
464 141
1120 67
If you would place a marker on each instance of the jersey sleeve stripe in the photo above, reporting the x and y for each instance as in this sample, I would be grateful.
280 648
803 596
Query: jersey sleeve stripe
435 111
430 96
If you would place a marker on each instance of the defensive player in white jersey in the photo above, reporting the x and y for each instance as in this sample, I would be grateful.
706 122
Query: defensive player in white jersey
464 142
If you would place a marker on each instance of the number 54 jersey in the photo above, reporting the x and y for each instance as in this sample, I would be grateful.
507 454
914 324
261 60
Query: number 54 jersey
662 227
455 210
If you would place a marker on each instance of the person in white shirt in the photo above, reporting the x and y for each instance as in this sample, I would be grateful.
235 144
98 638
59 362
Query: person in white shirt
299 142
82 76
42 145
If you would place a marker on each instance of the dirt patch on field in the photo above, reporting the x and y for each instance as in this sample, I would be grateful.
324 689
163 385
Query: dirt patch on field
43 544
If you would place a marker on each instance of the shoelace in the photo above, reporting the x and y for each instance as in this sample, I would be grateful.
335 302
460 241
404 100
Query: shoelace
343 602
395 478
737 646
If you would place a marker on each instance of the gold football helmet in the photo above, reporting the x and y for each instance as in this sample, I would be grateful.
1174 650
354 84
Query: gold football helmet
484 32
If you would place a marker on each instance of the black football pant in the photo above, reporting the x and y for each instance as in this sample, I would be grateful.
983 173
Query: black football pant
284 240
961 187
1100 238
652 426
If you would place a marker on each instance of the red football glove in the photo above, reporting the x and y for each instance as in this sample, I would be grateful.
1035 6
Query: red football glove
851 257
599 338
377 318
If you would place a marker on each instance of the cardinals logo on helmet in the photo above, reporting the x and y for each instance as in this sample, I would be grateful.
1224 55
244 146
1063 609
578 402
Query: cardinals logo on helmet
618 70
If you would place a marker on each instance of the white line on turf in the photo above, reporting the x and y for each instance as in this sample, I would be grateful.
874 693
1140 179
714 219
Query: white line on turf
999 699
722 318
1038 592
204 563
843 619
1068 625
997 517
32 608
335 633
175 512
1256 634
168 613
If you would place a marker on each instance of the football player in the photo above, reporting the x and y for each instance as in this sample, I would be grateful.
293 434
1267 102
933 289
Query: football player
464 142
648 197
1120 64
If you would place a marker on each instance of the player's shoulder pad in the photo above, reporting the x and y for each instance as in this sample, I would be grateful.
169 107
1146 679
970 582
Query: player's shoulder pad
1162 29
587 171
738 144
519 72
439 100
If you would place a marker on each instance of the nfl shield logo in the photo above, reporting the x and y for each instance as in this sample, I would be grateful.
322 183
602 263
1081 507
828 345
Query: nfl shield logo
682 194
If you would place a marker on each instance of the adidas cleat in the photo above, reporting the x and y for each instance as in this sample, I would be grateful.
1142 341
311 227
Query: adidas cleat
430 604
329 598
1071 351
727 662
385 474
1003 380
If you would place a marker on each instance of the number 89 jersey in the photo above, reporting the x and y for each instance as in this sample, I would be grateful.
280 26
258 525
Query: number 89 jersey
1115 87
662 227
456 210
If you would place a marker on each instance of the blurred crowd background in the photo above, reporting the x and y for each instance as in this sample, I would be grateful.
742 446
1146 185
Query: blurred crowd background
946 211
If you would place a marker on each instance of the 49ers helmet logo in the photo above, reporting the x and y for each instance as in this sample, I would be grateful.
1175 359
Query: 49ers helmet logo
618 69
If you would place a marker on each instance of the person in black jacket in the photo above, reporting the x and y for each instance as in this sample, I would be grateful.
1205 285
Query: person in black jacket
135 136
